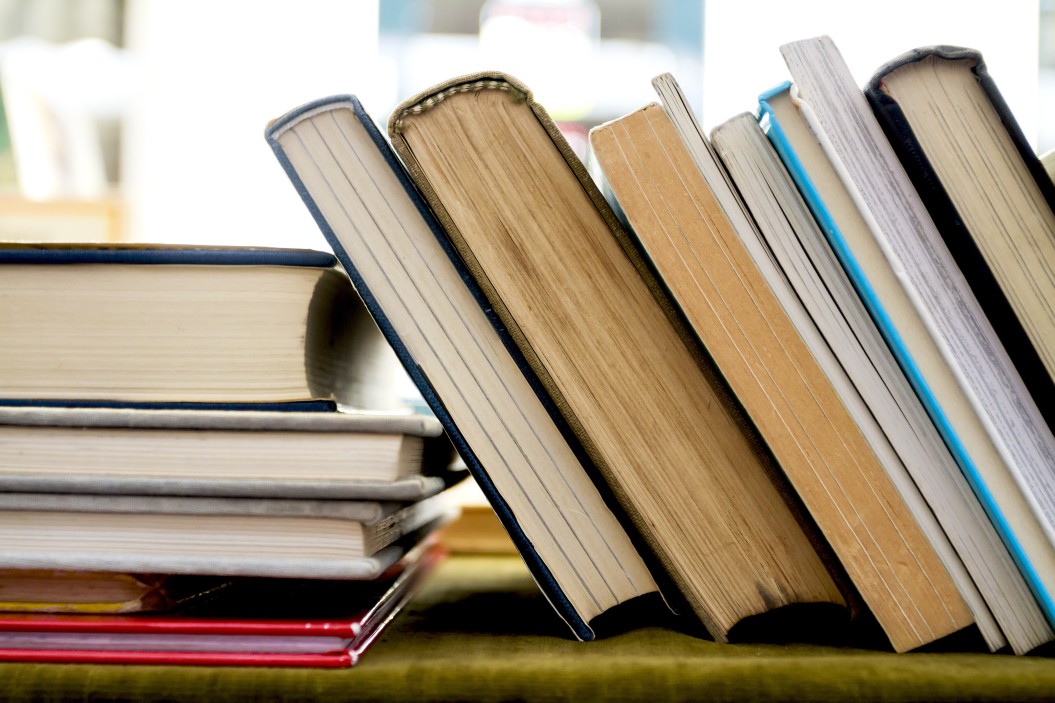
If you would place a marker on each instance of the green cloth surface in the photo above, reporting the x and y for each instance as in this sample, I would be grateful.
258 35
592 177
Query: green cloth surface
480 631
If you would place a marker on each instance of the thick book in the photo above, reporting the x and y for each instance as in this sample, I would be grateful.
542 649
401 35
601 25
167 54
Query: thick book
925 333
277 454
143 324
254 622
929 477
273 537
554 263
987 192
460 356
672 191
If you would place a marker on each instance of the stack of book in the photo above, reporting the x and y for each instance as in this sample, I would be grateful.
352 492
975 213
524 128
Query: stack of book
801 361
217 430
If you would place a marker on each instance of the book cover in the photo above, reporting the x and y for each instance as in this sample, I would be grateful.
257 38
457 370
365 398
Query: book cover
460 356
997 221
592 319
253 622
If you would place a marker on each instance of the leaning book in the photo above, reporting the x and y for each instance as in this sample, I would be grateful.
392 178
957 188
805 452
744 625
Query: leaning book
553 262
461 358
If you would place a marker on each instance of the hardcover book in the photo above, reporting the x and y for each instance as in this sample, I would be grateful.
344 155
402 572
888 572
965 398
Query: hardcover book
263 454
274 537
553 262
141 324
254 622
461 358
987 191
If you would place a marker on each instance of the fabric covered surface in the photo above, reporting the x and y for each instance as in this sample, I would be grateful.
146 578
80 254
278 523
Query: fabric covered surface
481 631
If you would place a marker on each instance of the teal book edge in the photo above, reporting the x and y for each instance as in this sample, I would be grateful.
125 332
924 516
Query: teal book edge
771 127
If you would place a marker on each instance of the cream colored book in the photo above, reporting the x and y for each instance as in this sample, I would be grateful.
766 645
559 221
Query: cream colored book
723 283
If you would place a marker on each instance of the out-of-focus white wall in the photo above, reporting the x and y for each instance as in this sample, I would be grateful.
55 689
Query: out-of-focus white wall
742 39
208 78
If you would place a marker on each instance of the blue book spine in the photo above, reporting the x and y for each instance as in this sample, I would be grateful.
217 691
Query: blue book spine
795 167
537 566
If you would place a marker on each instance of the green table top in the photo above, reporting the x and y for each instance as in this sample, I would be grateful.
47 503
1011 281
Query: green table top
481 630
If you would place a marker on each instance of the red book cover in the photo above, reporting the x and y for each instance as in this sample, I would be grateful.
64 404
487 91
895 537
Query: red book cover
256 622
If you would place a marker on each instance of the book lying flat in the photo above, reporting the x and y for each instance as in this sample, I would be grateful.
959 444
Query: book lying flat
897 421
461 358
987 191
97 592
255 622
336 455
213 536
690 224
555 265
920 338
153 324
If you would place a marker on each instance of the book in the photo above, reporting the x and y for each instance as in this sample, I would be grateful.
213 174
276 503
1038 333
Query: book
939 495
274 537
277 454
254 622
538 237
841 173
985 189
672 191
461 358
158 324
100 592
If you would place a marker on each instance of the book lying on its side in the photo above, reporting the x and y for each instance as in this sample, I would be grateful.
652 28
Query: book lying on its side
254 622
557 268
460 356
322 539
336 455
890 409
97 592
690 224
915 292
162 324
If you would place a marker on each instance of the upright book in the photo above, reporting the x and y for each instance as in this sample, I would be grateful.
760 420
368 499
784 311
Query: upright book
688 221
896 419
560 272
918 296
987 191
140 324
253 622
460 356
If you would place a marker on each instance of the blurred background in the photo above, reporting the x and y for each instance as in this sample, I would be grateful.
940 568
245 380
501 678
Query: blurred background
143 119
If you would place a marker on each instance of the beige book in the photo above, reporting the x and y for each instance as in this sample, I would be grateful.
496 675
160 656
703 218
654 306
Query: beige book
551 258
708 267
